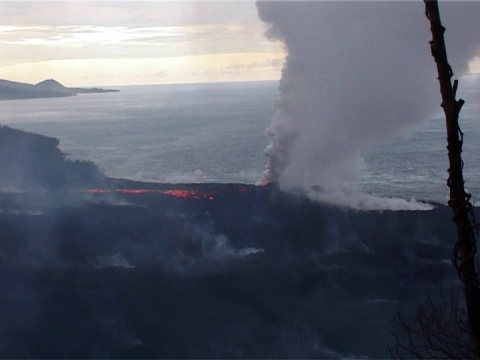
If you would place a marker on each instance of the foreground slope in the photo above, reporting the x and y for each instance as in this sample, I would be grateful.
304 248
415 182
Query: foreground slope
115 268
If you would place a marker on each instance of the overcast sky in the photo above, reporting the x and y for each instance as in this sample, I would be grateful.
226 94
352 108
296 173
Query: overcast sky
133 42
95 43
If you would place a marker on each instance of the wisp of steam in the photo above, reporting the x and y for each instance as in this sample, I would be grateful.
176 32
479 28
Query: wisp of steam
355 73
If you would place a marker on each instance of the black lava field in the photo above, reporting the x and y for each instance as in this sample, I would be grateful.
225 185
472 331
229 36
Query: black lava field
210 271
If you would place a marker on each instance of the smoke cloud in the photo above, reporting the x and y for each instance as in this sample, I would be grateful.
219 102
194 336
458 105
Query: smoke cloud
356 72
363 201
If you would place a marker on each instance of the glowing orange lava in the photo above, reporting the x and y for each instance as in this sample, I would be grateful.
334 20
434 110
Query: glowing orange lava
189 194
182 194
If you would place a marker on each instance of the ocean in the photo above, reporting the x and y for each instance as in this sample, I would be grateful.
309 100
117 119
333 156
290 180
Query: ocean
214 133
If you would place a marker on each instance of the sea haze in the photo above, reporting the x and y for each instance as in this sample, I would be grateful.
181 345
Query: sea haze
214 132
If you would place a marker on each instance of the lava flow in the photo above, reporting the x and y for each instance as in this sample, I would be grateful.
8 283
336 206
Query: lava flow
182 194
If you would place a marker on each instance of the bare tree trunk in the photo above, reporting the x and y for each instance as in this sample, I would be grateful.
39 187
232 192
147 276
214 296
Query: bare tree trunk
465 247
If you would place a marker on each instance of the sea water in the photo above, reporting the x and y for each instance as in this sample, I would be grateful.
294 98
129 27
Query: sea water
215 133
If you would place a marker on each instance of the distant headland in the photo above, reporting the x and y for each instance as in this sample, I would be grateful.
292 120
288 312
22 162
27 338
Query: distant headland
12 90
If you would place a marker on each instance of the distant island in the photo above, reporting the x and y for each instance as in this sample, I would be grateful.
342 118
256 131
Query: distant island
12 90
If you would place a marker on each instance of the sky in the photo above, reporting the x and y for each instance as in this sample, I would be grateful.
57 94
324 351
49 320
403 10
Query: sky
95 43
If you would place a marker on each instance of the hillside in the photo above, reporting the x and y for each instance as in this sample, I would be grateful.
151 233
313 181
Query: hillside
11 90
51 85
32 161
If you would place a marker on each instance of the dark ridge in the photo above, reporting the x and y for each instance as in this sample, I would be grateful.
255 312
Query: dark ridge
32 161
51 85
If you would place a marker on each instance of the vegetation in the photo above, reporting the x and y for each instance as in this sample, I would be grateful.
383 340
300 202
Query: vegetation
439 329
465 246
450 329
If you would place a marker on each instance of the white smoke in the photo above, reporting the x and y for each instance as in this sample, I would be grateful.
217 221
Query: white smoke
112 260
355 73
362 201
202 248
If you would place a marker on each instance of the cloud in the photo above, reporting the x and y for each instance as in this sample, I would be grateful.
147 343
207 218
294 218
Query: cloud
41 33
127 13
268 63
103 35
42 43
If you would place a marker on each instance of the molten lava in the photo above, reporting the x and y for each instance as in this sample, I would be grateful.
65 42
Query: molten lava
183 194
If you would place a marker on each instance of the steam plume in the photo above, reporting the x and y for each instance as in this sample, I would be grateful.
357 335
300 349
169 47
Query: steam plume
355 73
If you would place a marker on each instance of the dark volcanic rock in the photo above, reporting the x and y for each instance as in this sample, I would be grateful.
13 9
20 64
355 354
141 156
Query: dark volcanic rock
209 271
